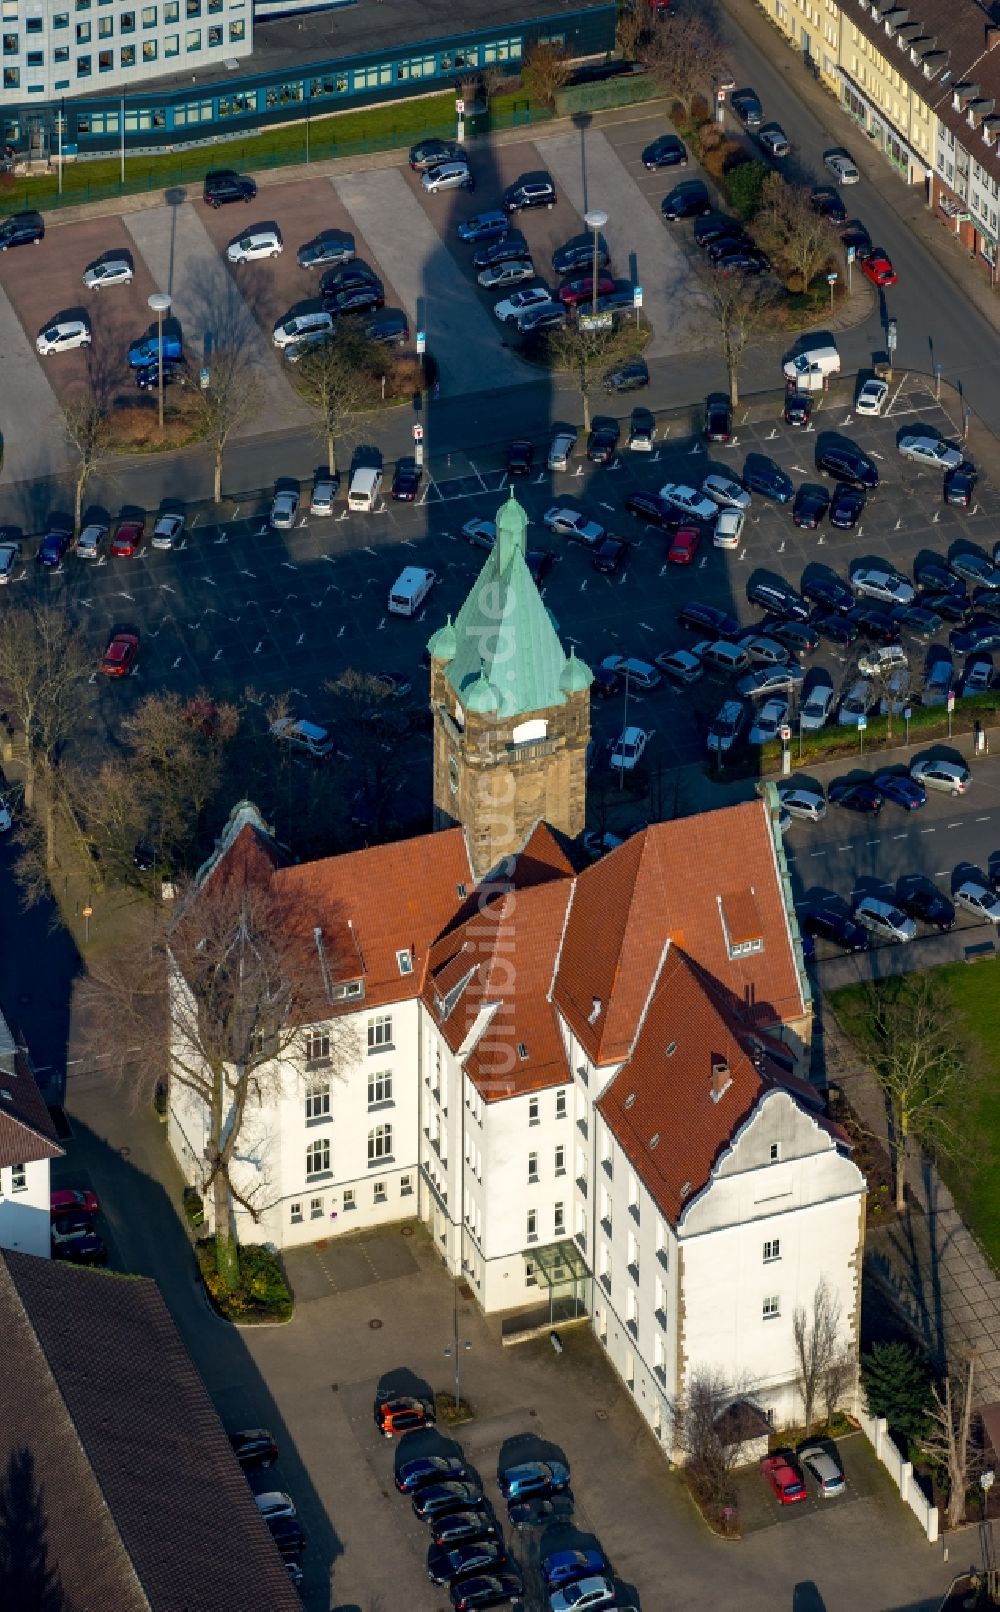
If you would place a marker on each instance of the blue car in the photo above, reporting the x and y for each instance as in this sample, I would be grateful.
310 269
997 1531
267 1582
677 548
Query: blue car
566 1566
981 633
484 227
425 1469
53 549
445 1565
901 789
147 351
762 475
533 1477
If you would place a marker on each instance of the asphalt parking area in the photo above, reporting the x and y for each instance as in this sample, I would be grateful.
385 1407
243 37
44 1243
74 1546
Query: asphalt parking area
759 1509
342 1264
47 284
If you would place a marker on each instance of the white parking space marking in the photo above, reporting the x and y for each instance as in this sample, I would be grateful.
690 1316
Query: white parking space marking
34 441
462 336
206 301
672 301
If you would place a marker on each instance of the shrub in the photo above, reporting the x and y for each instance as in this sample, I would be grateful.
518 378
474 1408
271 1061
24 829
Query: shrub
743 185
263 1293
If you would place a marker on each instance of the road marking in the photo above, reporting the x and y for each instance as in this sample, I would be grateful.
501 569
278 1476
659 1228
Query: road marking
129 596
983 819
252 574
289 566
176 663
606 506
936 517
260 646
876 455
88 602
781 546
954 825
210 581
799 470
773 434
928 831
703 562
217 655
817 853
845 847
898 524
846 420
341 632
900 836
299 639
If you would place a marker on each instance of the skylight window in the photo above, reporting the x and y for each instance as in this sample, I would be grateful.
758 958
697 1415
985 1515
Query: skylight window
404 961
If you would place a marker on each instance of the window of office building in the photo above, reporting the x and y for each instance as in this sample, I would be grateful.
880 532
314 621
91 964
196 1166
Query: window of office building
418 67
34 25
192 39
379 1143
318 1157
128 55
83 33
149 16
171 46
214 36
61 53
105 27
11 44
237 31
331 84
503 50
236 106
369 78
83 67
150 50
285 95
105 61
126 22
191 111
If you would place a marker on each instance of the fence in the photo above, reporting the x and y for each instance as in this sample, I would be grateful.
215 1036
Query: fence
876 1429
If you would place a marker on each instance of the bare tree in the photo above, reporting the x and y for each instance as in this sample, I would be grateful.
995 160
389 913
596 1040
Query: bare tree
43 661
791 232
544 72
815 1333
684 54
375 731
953 1437
335 379
87 422
224 404
218 1008
907 1032
712 1432
839 1380
741 305
587 353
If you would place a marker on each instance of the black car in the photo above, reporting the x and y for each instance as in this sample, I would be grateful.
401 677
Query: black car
829 591
937 577
438 1498
928 906
628 377
874 621
447 1563
666 151
254 1447
798 408
354 299
344 275
653 509
406 481
746 105
762 475
857 236
687 201
606 683
531 190
86 1249
707 618
719 421
539 1512
951 607
610 555
836 926
461 1527
801 637
288 1534
147 376
960 485
916 621
836 629
428 153
520 457
223 185
744 260
810 506
389 326
723 245
602 444
511 249
579 254
846 506
490 1589
847 463
986 600
859 796
713 226
778 597
22 229
979 633
826 202
329 247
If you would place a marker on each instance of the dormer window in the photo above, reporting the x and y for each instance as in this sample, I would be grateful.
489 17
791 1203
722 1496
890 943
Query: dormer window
347 990
404 961
742 924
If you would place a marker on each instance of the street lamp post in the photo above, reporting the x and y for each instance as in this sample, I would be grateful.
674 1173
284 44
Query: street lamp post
159 302
595 220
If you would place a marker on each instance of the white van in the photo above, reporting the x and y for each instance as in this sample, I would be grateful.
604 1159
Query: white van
812 369
409 590
366 484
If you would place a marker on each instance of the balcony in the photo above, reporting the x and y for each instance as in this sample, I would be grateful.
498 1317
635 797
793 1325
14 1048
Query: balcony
633 1271
608 1168
660 1373
581 1182
660 1317
581 1126
606 1226
663 1258
606 1282
633 1327
633 1210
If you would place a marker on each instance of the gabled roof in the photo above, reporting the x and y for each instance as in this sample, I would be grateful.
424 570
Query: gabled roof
674 883
504 636
245 849
501 957
111 1448
26 1129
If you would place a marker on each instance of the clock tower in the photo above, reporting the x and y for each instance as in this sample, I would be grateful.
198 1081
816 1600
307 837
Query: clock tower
511 710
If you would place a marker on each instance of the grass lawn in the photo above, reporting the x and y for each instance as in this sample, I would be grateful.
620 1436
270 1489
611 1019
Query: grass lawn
974 992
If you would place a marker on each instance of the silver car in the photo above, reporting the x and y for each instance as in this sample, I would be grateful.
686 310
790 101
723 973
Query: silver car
456 175
926 450
825 1472
814 712
562 447
323 494
884 919
803 801
10 553
91 541
110 271
284 509
499 275
168 533
951 777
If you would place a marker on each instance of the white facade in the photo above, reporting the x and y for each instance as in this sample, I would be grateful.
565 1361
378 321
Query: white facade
24 1208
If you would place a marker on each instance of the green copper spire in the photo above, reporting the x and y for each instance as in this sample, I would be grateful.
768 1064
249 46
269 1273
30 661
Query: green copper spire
442 644
512 526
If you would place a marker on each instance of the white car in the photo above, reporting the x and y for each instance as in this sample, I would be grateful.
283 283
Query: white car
497 275
951 777
168 532
275 1503
63 337
856 703
257 243
587 1595
510 309
884 920
10 553
562 447
729 528
302 327
886 586
800 801
724 731
570 523
689 500
303 735
91 541
842 167
683 665
978 678
770 718
725 492
284 509
774 140
814 712
871 398
626 752
928 451
110 271
639 672
977 897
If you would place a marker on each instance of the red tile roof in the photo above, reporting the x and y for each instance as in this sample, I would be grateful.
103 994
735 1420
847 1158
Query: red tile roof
26 1129
667 884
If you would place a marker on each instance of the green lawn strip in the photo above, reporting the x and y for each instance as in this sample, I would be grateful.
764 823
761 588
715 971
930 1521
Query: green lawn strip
926 722
974 1109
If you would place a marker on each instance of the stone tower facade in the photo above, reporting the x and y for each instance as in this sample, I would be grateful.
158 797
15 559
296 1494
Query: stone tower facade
511 710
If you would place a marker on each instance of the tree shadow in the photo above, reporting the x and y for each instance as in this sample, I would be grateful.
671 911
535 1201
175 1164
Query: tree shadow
28 1580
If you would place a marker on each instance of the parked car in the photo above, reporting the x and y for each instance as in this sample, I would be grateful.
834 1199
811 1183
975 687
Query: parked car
817 704
579 254
803 801
687 201
810 506
775 141
439 1498
284 509
561 450
980 899
21 229
507 247
779 597
681 664
900 789
689 500
666 151
845 462
827 590
73 1201
719 421
877 267
855 795
838 927
448 1563
512 271
455 174
707 618
109 271
570 1566
686 541
580 290
878 582
610 556
585 1595
324 493
846 506
402 1413
328 248
746 104
950 777
530 191
975 568
762 475
824 1469
782 1473
168 532
630 376
884 919
928 906
63 336
288 1534
871 397
428 153
256 245
86 1249
639 672
628 748
538 1513
960 484
254 1446
424 1469
843 167
642 431
526 1479
459 1527
129 533
406 481
571 523
223 186
53 549
487 1589
90 543
602 444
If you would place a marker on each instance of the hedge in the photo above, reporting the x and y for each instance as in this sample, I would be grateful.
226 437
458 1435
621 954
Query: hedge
927 722
610 92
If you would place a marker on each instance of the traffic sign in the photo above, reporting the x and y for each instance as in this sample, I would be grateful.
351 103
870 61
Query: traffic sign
721 94
786 732
421 341
986 1480
637 296
203 379
852 253
951 699
890 335
862 723
460 107
907 713
418 433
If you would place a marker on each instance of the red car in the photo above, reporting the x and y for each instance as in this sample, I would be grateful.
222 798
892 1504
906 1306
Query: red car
128 537
402 1414
119 657
73 1200
684 545
783 1474
580 289
878 267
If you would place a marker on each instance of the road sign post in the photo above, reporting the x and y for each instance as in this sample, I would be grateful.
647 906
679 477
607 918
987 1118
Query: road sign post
851 255
637 302
951 707
862 724
460 112
907 713
786 755
421 342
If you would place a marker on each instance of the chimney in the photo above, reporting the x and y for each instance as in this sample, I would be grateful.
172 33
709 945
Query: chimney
721 1078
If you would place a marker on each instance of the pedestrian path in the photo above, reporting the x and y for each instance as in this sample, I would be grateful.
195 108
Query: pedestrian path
31 421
